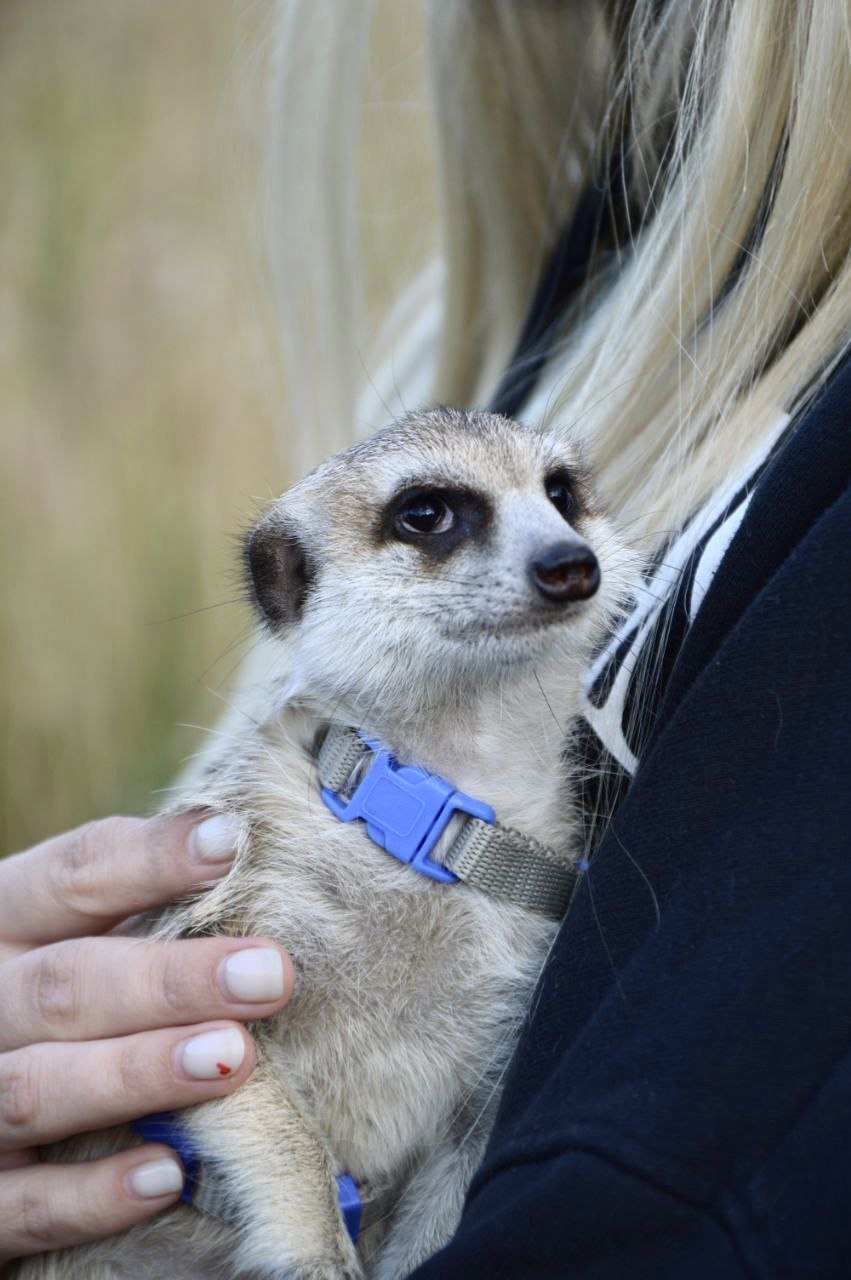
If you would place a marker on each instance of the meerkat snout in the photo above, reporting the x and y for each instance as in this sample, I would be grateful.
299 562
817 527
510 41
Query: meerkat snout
566 572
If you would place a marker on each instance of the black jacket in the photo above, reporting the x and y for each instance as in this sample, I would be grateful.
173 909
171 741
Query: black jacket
679 1106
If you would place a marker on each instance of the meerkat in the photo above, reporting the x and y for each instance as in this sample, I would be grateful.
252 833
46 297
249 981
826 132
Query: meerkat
439 588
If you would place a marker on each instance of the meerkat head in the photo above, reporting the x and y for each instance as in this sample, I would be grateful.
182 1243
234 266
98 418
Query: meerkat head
448 552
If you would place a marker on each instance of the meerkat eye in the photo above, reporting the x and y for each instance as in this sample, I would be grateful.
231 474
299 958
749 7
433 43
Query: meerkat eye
425 513
560 492
435 518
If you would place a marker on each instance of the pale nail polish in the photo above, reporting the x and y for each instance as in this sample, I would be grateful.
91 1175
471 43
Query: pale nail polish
156 1178
213 1054
214 839
256 974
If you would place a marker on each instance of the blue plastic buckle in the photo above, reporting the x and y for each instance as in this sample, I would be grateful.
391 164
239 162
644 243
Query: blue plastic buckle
351 1205
406 810
163 1127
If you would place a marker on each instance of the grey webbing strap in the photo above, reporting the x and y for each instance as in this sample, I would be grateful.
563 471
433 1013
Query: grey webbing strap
512 866
338 758
210 1195
498 860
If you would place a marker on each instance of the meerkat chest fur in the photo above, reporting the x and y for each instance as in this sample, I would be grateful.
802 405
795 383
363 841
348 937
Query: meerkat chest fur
399 979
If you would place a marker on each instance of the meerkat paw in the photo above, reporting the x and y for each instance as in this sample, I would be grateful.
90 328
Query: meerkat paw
308 1269
292 1255
325 1271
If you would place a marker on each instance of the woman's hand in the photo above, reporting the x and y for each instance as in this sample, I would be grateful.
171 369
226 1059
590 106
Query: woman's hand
98 1030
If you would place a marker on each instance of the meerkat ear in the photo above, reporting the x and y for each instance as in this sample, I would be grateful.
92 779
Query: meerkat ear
279 572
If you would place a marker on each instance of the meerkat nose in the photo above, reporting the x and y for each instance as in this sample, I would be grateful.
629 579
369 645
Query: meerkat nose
566 571
278 572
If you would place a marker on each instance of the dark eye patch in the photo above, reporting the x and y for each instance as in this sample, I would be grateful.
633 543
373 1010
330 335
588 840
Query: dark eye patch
565 493
435 518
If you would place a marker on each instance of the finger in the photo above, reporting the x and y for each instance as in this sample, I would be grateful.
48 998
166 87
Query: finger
90 988
50 1091
86 880
54 1206
17 1159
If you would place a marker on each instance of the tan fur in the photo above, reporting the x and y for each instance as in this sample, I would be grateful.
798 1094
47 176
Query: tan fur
387 1062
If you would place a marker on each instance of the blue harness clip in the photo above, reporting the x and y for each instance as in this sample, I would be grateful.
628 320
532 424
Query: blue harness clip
351 1206
406 810
163 1127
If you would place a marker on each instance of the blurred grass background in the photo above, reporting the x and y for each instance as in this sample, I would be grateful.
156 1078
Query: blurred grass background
140 393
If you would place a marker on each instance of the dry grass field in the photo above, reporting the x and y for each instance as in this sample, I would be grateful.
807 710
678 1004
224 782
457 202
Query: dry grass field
141 399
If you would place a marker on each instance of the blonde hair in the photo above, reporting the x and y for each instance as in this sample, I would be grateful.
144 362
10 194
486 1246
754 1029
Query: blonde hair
728 299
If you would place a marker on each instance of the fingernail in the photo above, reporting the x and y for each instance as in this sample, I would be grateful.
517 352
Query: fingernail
156 1178
214 839
256 974
213 1054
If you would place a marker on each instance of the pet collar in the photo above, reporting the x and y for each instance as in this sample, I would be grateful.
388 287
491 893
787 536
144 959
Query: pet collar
407 810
